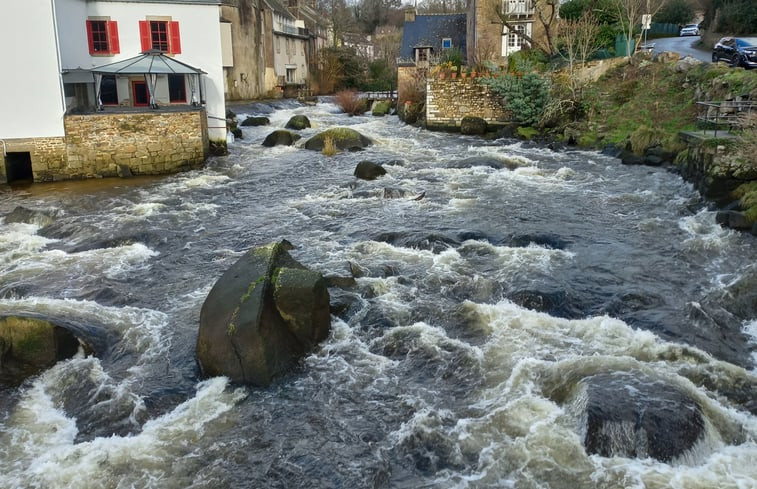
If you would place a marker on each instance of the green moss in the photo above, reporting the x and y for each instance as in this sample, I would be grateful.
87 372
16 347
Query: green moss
588 140
251 289
527 132
747 195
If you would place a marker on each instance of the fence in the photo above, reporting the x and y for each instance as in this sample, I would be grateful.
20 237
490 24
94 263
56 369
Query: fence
728 113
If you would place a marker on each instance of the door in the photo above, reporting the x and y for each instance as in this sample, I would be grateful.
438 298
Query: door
140 95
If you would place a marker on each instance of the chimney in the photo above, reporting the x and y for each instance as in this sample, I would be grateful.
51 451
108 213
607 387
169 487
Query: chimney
410 15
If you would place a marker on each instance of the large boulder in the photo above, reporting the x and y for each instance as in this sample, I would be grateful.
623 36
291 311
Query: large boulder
281 137
368 170
298 122
344 138
630 414
29 345
262 316
472 125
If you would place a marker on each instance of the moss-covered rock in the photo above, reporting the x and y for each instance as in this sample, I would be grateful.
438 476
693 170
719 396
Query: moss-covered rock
262 316
381 108
298 122
281 137
29 345
344 138
256 121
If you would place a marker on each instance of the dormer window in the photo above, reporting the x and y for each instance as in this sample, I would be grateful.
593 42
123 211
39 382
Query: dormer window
422 54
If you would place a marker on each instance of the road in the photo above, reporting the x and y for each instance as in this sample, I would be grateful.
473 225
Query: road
682 45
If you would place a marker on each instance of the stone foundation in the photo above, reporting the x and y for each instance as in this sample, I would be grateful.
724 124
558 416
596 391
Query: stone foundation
96 145
448 101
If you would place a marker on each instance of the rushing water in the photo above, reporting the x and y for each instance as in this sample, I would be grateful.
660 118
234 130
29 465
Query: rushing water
473 306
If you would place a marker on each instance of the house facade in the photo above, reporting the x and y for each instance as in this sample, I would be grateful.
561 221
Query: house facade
73 124
286 57
243 41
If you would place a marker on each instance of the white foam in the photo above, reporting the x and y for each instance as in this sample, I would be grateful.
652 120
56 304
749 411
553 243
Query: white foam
44 454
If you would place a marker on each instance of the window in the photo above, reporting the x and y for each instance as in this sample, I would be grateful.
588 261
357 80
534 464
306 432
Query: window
102 37
291 75
422 55
162 35
177 89
108 90
446 43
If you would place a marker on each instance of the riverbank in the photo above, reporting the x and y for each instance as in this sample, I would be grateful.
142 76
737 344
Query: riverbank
638 110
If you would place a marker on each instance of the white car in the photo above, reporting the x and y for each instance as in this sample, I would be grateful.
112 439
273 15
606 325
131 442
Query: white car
689 30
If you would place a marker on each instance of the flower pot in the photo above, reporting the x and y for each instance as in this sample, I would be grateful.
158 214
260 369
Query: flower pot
454 75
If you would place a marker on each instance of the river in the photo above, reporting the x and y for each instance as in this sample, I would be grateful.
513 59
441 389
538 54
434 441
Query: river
471 306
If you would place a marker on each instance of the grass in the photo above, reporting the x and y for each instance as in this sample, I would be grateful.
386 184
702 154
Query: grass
329 147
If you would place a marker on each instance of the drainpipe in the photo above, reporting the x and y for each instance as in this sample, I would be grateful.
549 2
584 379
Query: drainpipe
57 54
5 152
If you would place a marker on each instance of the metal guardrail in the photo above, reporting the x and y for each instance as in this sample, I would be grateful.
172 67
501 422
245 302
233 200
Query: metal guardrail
379 95
725 113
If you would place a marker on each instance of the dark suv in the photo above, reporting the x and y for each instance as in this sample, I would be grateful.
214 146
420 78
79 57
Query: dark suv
736 51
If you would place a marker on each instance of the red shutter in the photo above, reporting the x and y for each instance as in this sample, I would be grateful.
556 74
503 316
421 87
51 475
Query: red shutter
113 44
144 35
174 37
89 37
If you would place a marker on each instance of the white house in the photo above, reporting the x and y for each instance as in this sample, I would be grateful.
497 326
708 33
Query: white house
44 88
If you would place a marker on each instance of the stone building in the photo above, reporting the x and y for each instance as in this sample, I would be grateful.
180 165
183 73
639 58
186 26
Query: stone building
88 106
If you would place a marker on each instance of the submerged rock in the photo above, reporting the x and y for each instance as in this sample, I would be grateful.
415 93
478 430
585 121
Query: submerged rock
491 162
281 137
433 242
629 414
29 346
344 138
30 216
262 316
298 122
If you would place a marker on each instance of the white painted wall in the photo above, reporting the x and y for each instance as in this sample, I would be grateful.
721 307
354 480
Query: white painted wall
200 42
31 91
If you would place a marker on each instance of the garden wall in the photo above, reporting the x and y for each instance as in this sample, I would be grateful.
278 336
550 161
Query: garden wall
105 144
449 100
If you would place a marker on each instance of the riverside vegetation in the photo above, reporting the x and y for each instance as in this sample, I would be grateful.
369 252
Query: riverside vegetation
633 108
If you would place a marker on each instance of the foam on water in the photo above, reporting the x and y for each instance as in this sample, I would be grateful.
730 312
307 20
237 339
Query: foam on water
141 331
750 329
40 451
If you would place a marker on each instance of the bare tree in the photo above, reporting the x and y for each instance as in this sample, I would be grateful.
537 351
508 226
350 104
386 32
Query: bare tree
578 42
630 13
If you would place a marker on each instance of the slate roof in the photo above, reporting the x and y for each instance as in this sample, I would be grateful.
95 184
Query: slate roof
429 30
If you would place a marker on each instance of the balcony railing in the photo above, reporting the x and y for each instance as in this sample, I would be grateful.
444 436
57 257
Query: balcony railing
518 8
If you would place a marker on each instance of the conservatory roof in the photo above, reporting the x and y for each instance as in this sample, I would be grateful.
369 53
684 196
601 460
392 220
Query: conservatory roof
149 62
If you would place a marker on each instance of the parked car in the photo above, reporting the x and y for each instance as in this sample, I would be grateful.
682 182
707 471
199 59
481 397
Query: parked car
689 30
736 51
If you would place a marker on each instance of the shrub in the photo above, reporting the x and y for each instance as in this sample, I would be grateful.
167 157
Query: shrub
329 148
525 96
350 103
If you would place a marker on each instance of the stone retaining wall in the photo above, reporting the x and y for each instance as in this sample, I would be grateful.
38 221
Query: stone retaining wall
448 101
96 145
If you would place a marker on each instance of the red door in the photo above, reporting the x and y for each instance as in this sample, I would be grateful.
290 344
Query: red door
140 95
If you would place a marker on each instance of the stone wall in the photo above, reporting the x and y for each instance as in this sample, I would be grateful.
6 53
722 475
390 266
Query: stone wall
96 145
449 100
